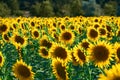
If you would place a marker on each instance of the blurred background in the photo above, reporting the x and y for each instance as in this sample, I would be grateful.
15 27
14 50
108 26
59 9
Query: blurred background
59 8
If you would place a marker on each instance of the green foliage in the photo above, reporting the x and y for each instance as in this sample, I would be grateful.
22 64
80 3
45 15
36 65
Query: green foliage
110 8
4 10
61 8
76 8
44 9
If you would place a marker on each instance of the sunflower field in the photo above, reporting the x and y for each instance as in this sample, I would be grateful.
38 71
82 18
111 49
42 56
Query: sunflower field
60 48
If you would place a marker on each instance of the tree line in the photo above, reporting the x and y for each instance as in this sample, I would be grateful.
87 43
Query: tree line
59 8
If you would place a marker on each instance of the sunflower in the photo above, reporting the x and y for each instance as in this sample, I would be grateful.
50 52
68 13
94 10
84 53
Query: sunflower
14 26
44 52
79 55
44 41
18 40
59 69
55 35
72 27
103 32
96 25
111 74
62 26
92 34
22 71
32 23
84 44
5 37
109 29
117 51
79 30
96 20
67 37
2 59
100 53
74 61
109 35
60 51
35 34
4 28
54 24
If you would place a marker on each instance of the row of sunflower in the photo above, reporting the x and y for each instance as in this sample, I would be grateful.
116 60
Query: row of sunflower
68 48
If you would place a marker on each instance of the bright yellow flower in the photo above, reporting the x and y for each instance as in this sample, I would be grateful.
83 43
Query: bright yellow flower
22 71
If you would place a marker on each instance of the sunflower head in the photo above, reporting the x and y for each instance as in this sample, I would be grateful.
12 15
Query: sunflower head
59 69
111 74
72 27
96 25
109 29
32 23
75 62
22 71
103 32
3 28
6 37
44 41
92 34
100 53
18 40
60 51
44 52
79 55
62 27
117 51
55 36
85 44
35 34
67 37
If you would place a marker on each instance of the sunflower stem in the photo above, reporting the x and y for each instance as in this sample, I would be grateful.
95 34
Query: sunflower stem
89 74
89 71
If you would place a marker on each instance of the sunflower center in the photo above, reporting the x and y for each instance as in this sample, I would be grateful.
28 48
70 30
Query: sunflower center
61 71
96 26
19 39
60 52
79 29
36 34
93 33
81 55
44 51
116 78
0 59
118 52
62 27
32 23
54 24
72 27
85 45
24 71
6 37
100 53
46 43
102 31
3 28
108 28
96 20
67 36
